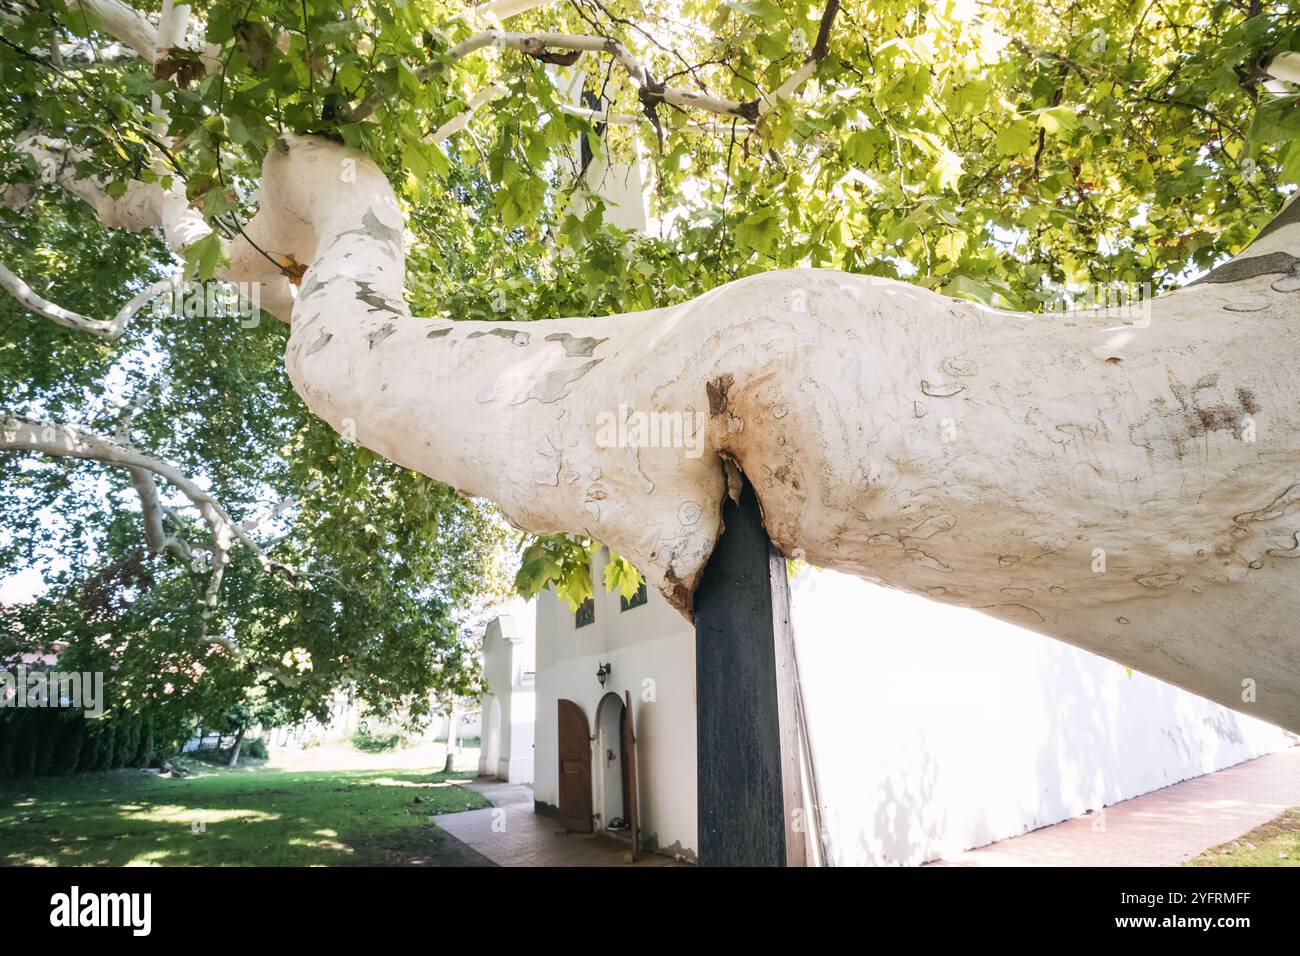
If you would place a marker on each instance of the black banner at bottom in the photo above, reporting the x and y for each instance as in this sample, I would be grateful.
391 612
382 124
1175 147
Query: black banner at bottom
138 905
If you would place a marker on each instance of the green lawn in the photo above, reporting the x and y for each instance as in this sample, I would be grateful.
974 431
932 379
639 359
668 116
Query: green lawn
1276 843
242 817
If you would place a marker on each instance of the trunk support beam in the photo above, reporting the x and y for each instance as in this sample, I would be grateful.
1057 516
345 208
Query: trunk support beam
750 792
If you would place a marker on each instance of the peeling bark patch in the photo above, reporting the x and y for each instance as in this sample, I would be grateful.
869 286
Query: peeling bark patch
1157 581
931 526
381 333
372 228
1291 552
677 594
438 333
366 293
717 391
1274 509
634 459
576 346
941 391
514 337
785 475
927 560
1202 420
1238 270
319 344
553 386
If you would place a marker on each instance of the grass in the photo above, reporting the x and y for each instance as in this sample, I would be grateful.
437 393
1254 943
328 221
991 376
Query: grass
239 817
1276 843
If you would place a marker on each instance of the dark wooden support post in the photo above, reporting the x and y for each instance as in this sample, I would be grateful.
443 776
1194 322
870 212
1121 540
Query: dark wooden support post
750 792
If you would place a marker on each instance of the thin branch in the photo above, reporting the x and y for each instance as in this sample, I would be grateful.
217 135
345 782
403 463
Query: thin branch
107 329
650 89
60 440
63 440
151 507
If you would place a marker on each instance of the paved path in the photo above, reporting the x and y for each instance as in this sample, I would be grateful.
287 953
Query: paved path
501 794
509 833
1162 828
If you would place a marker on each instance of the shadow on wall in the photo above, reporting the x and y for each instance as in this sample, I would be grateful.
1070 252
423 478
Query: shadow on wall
936 729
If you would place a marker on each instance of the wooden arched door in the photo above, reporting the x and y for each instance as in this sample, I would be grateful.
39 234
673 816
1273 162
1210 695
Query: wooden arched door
575 768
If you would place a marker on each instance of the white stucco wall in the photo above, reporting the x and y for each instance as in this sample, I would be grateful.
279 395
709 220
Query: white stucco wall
467 726
935 729
508 711
652 654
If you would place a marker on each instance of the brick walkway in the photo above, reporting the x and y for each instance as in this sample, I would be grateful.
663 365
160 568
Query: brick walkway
1162 828
510 834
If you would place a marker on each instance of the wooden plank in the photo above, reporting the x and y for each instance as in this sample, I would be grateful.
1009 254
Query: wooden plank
749 788
630 793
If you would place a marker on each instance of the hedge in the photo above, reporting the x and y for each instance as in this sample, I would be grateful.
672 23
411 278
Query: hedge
41 741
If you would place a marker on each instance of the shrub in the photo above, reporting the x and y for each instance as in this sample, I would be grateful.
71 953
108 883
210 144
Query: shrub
67 750
121 728
255 748
7 740
28 746
373 743
144 751
102 758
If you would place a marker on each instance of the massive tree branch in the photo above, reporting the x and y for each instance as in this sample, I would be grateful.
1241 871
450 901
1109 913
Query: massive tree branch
890 432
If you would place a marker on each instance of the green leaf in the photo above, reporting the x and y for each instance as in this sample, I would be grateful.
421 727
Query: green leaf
1059 121
1016 139
205 257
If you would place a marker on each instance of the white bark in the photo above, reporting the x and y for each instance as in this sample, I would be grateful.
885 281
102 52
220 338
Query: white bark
536 44
124 23
142 206
152 511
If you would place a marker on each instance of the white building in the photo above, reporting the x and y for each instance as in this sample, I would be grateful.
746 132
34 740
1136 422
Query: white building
933 729
649 653
506 721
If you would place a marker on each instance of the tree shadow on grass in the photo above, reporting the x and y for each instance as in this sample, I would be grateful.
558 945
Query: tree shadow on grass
234 818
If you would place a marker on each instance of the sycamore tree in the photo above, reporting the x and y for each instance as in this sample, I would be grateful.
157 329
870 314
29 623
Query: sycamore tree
879 288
